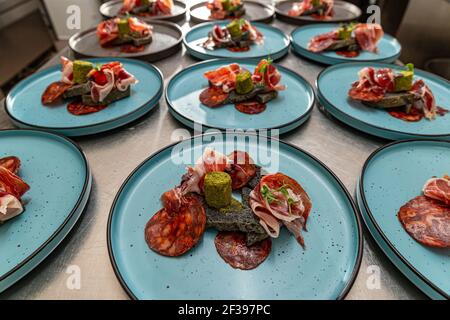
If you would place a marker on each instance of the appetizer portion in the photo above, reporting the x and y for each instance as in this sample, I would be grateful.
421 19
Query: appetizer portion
237 36
427 218
348 40
90 87
147 7
131 34
204 199
318 9
225 9
250 92
12 188
397 93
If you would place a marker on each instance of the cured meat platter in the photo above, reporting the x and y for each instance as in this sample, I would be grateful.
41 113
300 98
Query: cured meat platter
149 268
273 42
27 108
58 185
409 220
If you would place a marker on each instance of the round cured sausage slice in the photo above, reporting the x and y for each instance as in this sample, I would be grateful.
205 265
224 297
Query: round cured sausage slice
79 109
54 91
251 107
427 221
232 247
213 97
173 234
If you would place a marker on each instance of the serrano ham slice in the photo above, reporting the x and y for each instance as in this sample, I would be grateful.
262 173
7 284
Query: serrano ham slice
224 77
233 249
10 163
12 184
241 170
368 35
438 189
280 199
427 221
173 234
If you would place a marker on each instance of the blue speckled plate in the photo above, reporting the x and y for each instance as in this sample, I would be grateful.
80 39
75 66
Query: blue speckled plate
334 83
60 184
389 48
24 107
393 175
325 270
289 110
276 43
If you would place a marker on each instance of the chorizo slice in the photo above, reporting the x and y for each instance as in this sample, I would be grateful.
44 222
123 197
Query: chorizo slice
427 221
174 233
213 97
54 91
233 249
10 163
251 107
79 109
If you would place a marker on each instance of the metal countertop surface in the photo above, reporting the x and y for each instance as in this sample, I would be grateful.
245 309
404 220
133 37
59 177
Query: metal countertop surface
113 155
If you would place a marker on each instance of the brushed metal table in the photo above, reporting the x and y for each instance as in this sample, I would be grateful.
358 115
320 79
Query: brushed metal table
113 155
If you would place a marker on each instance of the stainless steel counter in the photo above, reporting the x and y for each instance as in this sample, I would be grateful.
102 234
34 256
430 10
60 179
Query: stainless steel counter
112 156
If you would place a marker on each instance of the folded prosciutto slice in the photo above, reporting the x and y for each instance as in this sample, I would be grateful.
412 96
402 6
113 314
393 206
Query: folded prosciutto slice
279 199
224 77
322 8
438 189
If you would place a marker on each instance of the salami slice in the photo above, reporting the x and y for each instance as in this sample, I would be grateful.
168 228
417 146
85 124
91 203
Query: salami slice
54 91
78 108
413 116
233 249
242 169
213 97
129 48
10 163
427 221
173 234
251 107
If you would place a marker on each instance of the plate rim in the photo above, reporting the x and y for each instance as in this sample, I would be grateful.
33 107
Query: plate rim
296 20
72 212
260 24
157 97
264 5
155 56
338 60
355 210
382 64
374 222
174 18
225 60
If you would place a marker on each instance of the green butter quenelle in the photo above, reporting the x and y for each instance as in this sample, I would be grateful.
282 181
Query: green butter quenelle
80 71
404 81
218 189
244 82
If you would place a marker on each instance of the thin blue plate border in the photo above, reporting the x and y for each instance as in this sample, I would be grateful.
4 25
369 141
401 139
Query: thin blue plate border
355 208
153 102
300 119
72 212
372 219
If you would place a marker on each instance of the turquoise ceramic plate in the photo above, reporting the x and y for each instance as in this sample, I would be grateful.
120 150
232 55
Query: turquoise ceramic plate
325 270
389 48
23 104
392 176
276 43
60 183
291 109
334 82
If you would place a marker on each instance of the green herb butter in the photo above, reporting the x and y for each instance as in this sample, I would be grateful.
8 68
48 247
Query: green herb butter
218 189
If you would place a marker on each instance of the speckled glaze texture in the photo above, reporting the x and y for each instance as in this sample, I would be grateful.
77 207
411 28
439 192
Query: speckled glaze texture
389 48
276 43
289 110
24 106
391 177
334 83
59 180
325 270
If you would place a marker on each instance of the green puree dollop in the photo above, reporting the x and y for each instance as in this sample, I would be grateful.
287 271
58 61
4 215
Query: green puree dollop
218 189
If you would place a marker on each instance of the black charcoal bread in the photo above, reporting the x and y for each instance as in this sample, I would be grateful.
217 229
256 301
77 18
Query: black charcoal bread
115 95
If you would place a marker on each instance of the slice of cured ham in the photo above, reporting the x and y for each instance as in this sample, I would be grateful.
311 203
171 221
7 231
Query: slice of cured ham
438 189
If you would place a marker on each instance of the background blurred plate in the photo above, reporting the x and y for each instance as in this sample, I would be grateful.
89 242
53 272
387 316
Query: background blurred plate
60 184
111 9
24 107
254 11
289 110
343 12
167 38
392 176
389 48
334 83
276 43
325 270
